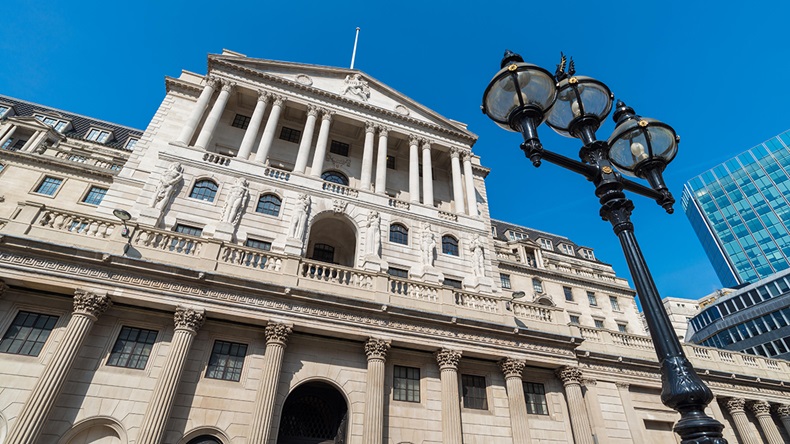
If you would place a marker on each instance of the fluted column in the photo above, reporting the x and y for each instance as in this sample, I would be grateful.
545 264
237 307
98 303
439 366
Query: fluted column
469 180
783 411
307 140
373 429
762 411
207 133
736 408
516 402
414 168
187 321
276 339
427 174
367 156
271 127
381 161
87 308
451 402
197 112
255 124
571 378
458 190
320 147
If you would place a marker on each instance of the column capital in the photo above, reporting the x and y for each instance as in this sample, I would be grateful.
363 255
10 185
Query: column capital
91 304
211 81
466 155
383 130
264 96
448 359
377 348
569 375
189 318
623 385
455 152
312 110
277 333
734 405
414 139
228 86
370 127
512 368
783 410
326 114
279 99
426 143
760 408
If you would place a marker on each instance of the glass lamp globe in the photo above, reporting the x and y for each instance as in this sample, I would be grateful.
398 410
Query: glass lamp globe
581 101
639 145
518 89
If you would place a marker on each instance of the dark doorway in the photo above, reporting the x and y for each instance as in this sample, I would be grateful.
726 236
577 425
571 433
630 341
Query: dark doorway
314 413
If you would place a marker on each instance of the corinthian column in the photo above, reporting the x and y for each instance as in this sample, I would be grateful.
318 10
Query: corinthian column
414 168
276 338
197 112
784 415
87 308
762 410
255 124
207 133
571 378
381 161
367 156
735 407
451 403
271 127
427 174
187 322
458 190
516 402
471 198
373 429
320 147
307 140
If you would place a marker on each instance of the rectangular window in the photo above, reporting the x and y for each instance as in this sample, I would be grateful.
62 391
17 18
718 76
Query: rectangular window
98 135
290 134
588 254
567 249
227 359
59 125
574 319
131 143
537 285
505 280
77 158
257 244
49 186
339 148
568 293
406 384
3 109
474 392
398 272
598 323
95 195
546 244
622 328
186 229
455 283
132 348
592 299
535 396
391 162
27 333
615 304
241 121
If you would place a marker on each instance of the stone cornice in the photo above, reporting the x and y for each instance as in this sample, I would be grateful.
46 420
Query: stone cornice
181 86
55 164
214 63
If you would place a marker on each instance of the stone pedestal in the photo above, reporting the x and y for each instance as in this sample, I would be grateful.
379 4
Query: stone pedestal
516 402
762 411
374 264
149 216
426 274
451 401
480 285
736 408
373 429
571 378
276 338
293 246
224 232
27 426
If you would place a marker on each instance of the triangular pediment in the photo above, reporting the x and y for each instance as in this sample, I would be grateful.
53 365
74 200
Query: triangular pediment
348 84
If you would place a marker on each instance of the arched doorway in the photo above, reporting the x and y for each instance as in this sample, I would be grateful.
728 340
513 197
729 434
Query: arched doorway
314 413
333 239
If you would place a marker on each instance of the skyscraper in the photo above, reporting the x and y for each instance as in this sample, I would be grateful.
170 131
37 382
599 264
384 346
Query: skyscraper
740 211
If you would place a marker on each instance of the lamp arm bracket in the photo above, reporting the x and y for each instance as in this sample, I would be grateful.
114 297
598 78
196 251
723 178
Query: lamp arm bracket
586 170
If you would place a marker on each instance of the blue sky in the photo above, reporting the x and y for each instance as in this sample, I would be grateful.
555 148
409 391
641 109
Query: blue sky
715 72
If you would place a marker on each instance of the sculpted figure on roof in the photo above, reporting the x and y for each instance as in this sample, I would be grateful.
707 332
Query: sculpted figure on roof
356 86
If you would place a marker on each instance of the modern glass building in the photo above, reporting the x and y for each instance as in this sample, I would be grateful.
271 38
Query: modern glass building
740 211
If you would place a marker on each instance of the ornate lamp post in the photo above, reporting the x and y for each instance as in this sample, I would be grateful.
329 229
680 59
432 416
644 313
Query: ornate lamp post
521 97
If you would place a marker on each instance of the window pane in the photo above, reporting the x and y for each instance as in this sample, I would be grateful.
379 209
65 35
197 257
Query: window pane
339 148
27 333
450 245
204 190
335 177
269 204
227 359
49 186
406 384
290 134
399 234
241 121
474 392
535 397
95 195
132 348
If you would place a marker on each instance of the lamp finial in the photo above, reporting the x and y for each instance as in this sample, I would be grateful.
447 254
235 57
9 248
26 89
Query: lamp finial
509 58
622 112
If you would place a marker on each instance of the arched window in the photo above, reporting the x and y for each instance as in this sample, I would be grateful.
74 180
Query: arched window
399 234
204 190
449 245
335 177
324 253
269 204
204 439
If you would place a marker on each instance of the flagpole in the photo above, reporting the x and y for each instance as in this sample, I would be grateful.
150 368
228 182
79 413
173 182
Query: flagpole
354 54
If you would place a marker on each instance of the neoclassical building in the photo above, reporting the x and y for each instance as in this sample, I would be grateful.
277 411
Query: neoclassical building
299 254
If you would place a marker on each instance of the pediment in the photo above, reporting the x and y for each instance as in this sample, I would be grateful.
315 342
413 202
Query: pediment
349 84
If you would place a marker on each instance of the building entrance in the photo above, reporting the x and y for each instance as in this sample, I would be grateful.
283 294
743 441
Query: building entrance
314 413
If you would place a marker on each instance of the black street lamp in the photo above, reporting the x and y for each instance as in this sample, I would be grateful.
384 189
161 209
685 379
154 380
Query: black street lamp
521 97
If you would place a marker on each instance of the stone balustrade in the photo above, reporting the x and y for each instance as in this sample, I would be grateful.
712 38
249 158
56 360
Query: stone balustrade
251 257
397 203
335 274
168 241
448 216
277 174
339 189
477 302
414 290
633 341
535 312
217 159
76 223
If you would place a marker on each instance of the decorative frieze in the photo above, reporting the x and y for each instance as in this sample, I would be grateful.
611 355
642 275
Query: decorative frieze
189 318
91 304
512 368
448 358
377 348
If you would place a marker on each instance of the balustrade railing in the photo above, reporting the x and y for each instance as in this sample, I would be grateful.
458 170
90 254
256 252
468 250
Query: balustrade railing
533 311
339 189
413 290
448 216
76 223
250 257
217 159
168 241
476 302
397 203
590 334
629 340
278 174
337 274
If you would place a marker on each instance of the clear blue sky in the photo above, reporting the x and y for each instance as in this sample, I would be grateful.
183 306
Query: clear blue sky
716 73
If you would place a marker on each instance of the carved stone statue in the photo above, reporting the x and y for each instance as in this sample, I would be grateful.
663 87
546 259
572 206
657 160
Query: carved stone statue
236 201
373 235
478 257
355 85
428 246
299 218
167 185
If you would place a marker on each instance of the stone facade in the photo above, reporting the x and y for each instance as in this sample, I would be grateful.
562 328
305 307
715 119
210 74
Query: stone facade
305 239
